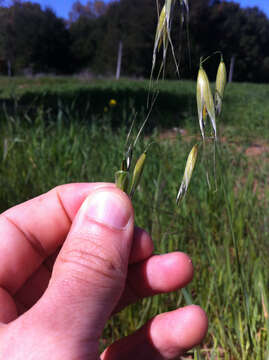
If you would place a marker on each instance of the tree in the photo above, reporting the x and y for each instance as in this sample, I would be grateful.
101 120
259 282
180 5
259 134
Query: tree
84 41
33 38
36 38
133 22
91 10
86 31
243 33
51 48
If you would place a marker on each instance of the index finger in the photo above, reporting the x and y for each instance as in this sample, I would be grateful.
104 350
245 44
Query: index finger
32 231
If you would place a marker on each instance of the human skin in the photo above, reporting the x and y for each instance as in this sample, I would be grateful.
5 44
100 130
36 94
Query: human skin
70 259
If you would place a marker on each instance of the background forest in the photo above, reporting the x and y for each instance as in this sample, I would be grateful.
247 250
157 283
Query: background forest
33 40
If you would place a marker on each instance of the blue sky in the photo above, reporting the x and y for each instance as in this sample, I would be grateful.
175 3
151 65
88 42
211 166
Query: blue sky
262 4
62 7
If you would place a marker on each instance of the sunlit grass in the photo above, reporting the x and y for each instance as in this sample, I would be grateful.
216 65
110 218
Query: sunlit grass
37 155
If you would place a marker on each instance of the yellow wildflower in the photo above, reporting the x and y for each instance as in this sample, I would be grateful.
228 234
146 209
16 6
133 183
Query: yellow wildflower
112 102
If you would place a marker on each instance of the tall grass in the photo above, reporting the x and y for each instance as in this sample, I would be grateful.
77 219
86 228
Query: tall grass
37 155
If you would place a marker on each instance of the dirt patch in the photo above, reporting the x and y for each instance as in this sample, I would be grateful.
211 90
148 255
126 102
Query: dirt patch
174 133
256 156
256 150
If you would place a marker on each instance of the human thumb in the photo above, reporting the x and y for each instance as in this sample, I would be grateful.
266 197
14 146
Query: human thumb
89 274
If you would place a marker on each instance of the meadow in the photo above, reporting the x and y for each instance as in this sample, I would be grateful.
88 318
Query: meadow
49 136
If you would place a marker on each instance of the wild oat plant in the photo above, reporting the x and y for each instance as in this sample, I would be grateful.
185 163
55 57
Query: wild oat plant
208 106
221 223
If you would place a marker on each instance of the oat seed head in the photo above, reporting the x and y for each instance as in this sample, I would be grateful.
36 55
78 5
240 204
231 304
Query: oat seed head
205 99
187 173
160 37
163 31
138 170
221 81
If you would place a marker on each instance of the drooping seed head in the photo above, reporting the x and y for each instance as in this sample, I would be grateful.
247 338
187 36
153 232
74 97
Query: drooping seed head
160 31
221 81
138 170
163 32
205 99
187 173
160 28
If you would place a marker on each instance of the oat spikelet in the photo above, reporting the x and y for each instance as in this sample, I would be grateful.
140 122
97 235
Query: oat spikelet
159 37
162 37
221 81
205 102
122 180
163 32
138 170
187 173
122 177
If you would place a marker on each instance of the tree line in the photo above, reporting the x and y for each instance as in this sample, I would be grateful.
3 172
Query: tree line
35 40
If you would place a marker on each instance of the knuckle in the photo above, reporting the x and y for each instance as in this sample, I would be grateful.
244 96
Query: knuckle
91 262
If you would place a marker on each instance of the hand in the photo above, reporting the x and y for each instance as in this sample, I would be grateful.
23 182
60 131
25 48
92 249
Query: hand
71 258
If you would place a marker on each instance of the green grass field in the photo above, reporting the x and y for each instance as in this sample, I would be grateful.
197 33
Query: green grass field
43 149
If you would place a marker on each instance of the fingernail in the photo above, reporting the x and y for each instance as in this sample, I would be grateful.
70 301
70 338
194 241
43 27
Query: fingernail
108 208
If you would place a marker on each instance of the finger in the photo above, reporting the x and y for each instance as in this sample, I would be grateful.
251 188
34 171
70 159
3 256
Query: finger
167 336
8 310
90 271
33 288
157 274
35 229
142 246
49 262
36 285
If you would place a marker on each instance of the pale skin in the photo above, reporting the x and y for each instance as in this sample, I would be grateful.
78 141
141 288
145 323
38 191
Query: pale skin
71 258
